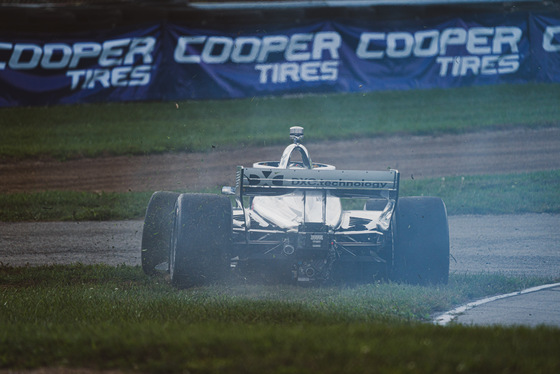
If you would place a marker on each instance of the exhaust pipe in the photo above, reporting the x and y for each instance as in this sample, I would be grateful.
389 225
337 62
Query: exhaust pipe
288 249
310 272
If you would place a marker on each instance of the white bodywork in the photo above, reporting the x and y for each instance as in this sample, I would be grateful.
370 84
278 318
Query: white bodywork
291 210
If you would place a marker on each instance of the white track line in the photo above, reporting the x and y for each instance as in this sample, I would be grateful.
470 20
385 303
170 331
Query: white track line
445 318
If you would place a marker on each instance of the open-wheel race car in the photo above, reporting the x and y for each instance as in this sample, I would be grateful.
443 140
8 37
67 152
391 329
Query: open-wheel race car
301 222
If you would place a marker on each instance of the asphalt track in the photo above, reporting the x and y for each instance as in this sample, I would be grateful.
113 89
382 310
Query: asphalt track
530 307
517 245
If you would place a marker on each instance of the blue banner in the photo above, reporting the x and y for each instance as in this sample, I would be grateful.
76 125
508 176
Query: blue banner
225 65
172 61
545 32
330 56
94 67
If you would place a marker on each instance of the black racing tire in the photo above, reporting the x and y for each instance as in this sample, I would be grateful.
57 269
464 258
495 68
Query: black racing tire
375 204
201 240
421 241
156 234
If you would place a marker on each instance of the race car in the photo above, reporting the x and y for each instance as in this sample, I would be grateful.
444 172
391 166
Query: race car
297 221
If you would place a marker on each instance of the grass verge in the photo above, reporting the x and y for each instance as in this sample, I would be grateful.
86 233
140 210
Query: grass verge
72 206
117 318
65 132
535 192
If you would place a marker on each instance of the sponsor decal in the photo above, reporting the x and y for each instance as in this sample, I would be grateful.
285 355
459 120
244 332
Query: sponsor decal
336 183
313 57
489 50
255 180
125 62
309 57
281 180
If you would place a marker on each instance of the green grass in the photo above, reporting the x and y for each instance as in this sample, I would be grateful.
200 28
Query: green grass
535 192
76 131
72 206
117 318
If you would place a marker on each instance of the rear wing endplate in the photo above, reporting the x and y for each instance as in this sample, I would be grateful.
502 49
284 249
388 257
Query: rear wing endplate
342 183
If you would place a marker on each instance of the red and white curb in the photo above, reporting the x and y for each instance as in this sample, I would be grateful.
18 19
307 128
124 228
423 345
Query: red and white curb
448 317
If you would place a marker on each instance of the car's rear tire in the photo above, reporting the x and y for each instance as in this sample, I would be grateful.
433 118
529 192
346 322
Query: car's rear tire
201 240
421 241
156 234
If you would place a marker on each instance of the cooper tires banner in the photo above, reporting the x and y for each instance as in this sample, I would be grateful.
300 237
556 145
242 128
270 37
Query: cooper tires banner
171 61
103 66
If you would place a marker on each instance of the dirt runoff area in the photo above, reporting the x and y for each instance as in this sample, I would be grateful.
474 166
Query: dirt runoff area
486 152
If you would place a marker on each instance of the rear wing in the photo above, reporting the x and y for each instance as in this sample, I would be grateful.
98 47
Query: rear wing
342 183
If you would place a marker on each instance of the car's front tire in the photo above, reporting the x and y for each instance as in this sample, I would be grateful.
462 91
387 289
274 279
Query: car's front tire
201 240
421 241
